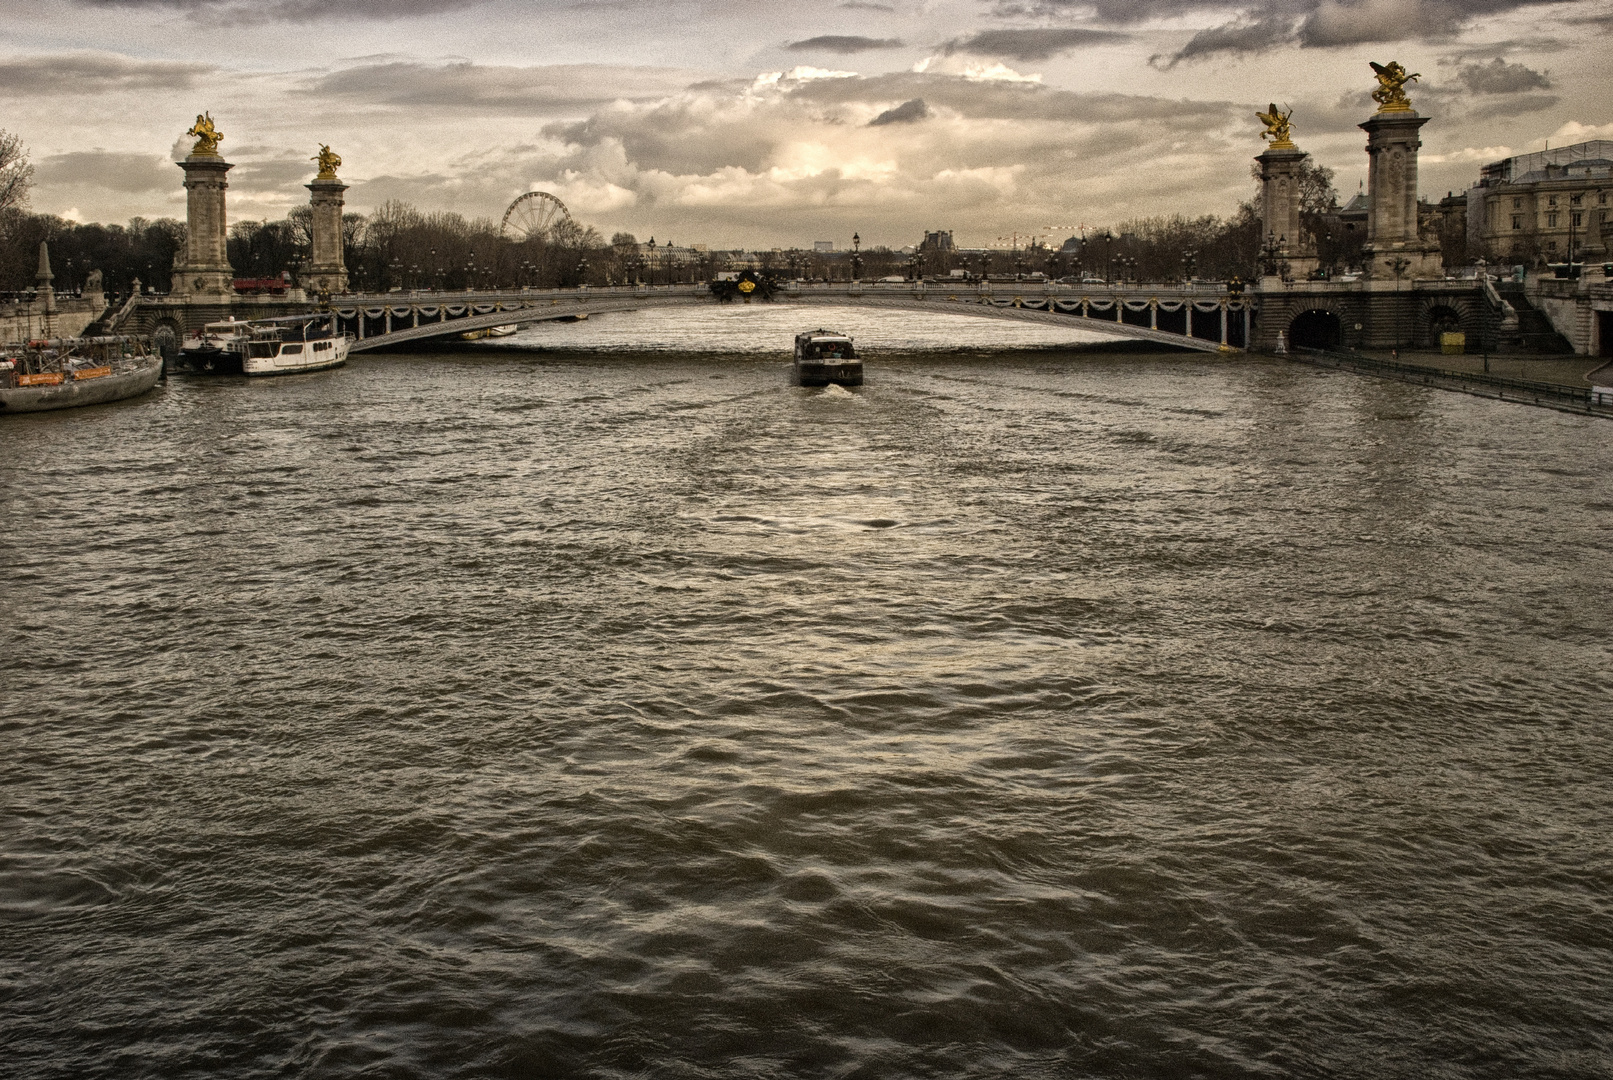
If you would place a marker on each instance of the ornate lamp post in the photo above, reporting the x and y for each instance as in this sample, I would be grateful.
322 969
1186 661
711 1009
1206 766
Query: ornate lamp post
856 257
582 272
651 246
1398 264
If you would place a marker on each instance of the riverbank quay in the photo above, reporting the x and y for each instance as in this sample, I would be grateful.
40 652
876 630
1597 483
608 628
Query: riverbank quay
1562 396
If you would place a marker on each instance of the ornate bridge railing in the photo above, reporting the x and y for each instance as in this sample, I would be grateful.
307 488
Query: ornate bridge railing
1197 317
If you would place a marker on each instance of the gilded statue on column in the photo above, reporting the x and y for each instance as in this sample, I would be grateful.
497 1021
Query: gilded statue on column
1391 92
1278 128
329 162
207 136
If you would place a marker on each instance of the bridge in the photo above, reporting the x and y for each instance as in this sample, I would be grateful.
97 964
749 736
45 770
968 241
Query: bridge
1203 317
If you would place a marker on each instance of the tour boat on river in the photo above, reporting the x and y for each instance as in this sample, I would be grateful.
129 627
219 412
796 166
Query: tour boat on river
216 349
61 373
823 357
295 343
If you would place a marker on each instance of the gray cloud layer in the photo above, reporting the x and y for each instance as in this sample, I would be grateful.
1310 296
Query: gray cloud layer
1031 44
1500 77
463 85
908 112
94 73
846 45
1333 23
261 11
135 173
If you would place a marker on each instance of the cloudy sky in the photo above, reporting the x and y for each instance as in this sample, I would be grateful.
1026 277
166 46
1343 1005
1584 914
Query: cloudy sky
769 122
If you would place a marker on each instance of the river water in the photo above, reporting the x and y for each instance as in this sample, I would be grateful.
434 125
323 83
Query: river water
604 706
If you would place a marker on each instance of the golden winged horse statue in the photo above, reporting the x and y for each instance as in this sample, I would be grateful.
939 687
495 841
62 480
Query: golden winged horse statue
1278 128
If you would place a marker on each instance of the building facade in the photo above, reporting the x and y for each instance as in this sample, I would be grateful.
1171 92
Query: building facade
1550 205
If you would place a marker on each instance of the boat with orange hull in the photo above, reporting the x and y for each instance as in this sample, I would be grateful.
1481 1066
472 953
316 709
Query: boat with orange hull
64 373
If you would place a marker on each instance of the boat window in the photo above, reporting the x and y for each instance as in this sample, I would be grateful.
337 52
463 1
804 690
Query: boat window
291 349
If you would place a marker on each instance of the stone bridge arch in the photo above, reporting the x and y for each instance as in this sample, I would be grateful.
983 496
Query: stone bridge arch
1439 314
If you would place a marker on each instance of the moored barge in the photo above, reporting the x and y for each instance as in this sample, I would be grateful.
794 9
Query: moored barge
63 373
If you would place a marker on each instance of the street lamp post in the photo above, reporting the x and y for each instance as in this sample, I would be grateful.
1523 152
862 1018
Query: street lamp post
856 257
1398 264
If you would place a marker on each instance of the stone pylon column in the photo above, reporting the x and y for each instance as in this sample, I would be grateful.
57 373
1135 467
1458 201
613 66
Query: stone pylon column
327 268
1279 209
204 268
1393 238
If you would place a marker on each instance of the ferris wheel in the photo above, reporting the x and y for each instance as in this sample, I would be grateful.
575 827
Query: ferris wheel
533 216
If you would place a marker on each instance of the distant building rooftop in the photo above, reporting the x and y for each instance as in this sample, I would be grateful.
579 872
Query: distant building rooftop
1586 158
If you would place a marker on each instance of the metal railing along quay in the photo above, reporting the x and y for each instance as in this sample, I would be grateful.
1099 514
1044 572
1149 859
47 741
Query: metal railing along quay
1522 391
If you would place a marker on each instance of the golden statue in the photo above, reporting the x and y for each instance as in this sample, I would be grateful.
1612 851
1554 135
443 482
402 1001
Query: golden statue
207 136
1280 131
1391 92
329 162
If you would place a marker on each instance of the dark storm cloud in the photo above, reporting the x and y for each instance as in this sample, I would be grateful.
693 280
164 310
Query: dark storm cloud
136 173
1031 43
94 73
1252 28
908 112
835 43
1500 77
408 84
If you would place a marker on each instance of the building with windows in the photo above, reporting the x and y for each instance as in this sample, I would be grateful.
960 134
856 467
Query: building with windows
1550 205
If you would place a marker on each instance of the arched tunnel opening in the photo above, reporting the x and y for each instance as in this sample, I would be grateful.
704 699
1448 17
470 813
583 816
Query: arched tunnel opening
1315 330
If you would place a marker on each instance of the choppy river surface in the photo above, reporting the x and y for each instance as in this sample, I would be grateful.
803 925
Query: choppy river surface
599 713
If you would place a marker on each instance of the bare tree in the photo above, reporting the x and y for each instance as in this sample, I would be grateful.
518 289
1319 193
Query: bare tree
16 174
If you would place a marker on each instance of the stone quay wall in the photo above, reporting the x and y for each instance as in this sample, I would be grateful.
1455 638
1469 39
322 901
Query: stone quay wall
21 320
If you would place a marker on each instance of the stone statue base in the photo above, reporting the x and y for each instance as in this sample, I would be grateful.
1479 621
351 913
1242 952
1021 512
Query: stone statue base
1421 261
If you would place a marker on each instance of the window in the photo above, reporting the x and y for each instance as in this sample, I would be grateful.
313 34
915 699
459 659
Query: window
1517 204
1573 200
1551 245
1551 221
1601 200
1517 221
1576 219
1551 200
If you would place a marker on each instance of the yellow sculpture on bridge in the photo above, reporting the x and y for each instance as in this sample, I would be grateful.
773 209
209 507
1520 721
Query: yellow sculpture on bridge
329 162
1391 92
207 136
1278 129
